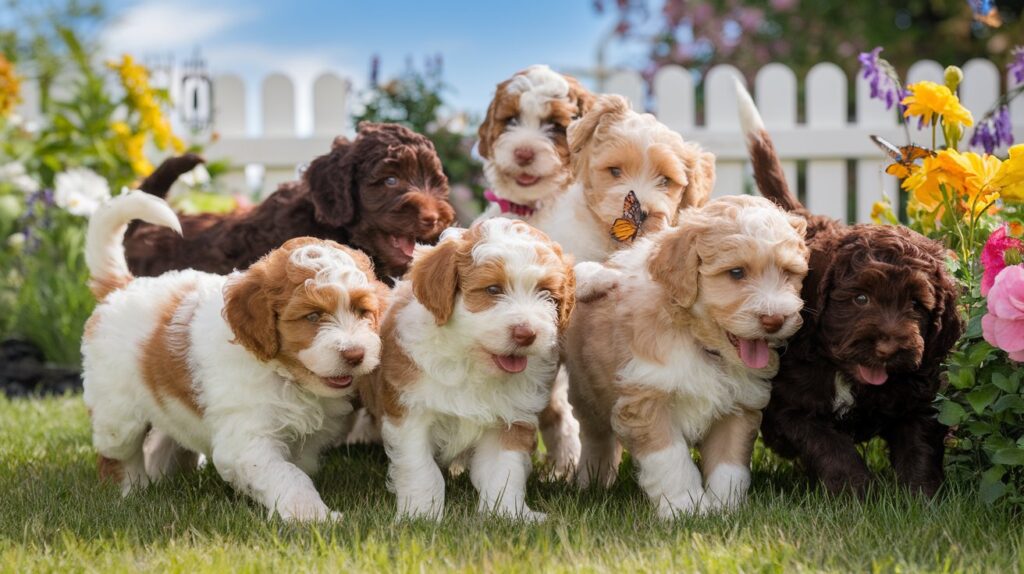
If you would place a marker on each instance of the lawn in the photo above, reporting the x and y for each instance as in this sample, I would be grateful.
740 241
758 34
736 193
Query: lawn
56 516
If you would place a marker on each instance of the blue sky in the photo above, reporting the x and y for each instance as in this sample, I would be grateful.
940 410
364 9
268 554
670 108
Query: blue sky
482 42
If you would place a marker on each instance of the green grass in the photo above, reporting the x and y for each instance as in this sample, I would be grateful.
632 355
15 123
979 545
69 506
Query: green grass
56 516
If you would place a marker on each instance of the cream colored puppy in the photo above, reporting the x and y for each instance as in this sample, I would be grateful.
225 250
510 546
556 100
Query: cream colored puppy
677 346
470 353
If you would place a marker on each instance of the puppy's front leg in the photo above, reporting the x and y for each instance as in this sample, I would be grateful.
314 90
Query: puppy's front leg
827 453
500 465
916 450
413 473
725 457
259 467
643 421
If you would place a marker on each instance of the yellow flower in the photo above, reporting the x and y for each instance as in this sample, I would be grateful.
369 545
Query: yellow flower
970 181
928 99
1011 175
10 87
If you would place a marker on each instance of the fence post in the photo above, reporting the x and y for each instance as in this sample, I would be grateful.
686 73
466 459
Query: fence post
872 182
330 105
229 106
722 116
674 99
629 84
828 186
775 91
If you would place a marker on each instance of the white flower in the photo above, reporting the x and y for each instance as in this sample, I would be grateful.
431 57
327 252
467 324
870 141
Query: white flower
80 191
15 174
16 240
196 177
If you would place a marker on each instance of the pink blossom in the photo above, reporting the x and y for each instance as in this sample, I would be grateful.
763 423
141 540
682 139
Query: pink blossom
992 258
1003 325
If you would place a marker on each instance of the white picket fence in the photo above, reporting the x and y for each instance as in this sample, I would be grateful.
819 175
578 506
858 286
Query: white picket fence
823 148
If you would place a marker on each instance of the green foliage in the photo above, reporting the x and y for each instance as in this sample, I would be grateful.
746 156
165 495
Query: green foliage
416 100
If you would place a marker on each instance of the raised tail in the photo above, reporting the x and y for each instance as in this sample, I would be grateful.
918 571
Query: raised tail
104 249
768 174
163 177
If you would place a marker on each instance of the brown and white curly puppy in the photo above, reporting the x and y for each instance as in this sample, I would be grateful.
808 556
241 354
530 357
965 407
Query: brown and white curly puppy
523 140
879 318
382 193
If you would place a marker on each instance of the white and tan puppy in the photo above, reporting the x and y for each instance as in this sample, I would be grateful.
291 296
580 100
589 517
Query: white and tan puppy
680 350
470 351
616 151
523 140
254 370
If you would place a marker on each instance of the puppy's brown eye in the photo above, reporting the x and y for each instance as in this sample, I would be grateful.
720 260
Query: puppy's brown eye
616 172
494 290
737 273
861 299
313 317
391 181
664 182
512 122
545 294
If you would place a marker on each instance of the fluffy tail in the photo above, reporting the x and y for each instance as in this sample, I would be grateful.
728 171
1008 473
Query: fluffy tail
163 177
768 172
104 249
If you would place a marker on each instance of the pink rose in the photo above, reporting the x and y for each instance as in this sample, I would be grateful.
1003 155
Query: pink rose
992 256
1003 325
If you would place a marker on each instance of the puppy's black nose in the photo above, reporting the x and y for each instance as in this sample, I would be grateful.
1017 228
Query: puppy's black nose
354 356
523 335
772 323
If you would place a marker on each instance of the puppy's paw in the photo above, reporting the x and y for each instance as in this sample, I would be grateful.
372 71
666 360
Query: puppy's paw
305 508
689 504
594 280
533 516
727 487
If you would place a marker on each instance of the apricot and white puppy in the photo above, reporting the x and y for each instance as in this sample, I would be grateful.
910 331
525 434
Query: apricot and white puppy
615 151
680 350
470 351
254 370
523 140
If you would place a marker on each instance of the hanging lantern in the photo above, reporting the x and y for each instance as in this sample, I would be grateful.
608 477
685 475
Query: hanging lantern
196 98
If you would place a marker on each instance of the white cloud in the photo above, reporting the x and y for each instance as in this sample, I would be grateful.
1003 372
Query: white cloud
166 25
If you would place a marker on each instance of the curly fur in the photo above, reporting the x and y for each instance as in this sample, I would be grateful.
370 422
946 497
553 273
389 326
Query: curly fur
822 402
343 196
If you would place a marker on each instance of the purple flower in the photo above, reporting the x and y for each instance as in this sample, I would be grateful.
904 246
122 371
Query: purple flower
374 70
1016 65
993 131
881 77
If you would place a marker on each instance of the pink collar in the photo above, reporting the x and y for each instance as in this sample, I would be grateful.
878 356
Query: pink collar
509 206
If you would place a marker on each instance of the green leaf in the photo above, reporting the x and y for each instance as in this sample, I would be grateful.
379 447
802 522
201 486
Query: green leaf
982 397
973 328
1012 456
992 485
964 378
1009 402
1005 384
981 428
979 353
997 442
951 413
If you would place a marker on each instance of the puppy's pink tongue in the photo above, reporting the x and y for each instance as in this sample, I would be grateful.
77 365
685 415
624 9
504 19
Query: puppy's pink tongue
510 363
872 375
406 244
526 180
754 353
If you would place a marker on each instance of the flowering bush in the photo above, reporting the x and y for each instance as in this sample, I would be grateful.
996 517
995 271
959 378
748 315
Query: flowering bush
54 173
973 202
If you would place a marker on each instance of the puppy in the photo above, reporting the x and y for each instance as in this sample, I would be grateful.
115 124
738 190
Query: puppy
879 319
470 350
381 193
616 151
254 370
523 140
680 352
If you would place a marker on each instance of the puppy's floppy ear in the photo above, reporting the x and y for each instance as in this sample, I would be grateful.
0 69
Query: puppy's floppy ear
946 324
701 172
331 179
607 108
567 297
435 279
249 312
580 97
492 126
676 262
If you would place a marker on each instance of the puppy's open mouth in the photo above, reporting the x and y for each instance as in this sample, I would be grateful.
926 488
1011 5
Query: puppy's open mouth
404 243
753 352
338 382
872 375
526 180
510 363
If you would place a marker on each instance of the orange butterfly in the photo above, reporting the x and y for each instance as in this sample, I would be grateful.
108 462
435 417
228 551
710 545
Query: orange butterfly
992 19
904 157
627 227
